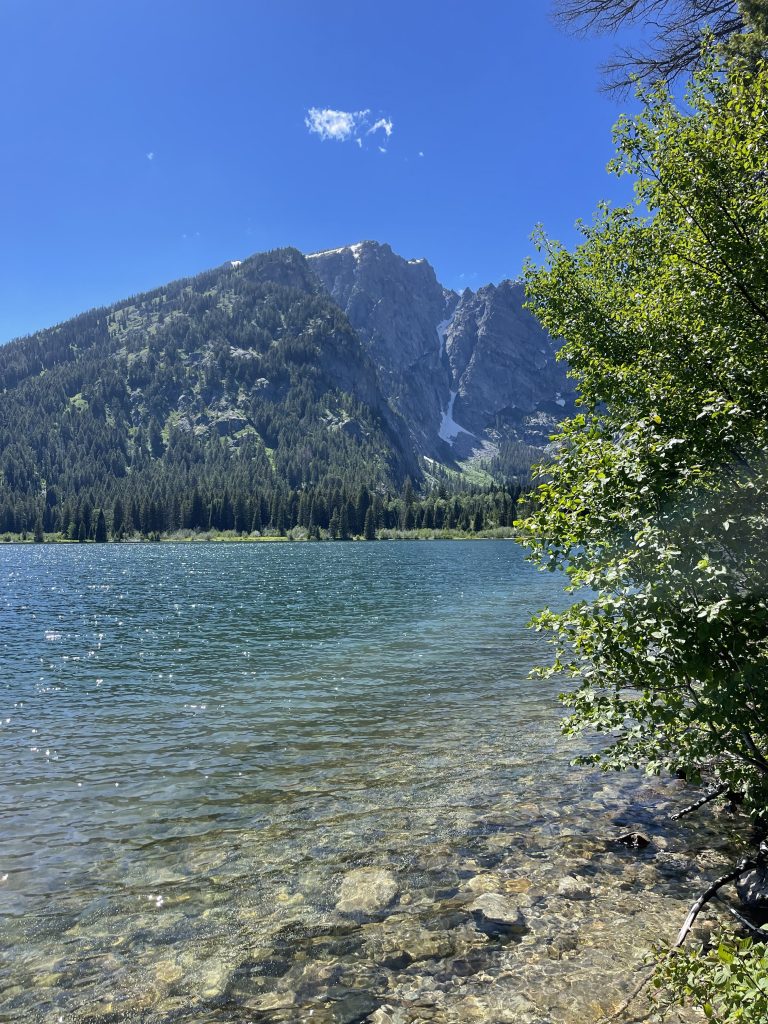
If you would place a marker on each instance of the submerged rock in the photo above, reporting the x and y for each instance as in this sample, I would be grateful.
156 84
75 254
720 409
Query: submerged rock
484 883
563 942
168 972
675 865
498 909
354 1007
518 885
366 891
270 1001
400 940
386 1015
571 888
633 840
214 979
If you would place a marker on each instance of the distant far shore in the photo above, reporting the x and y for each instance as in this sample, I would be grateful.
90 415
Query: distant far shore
294 536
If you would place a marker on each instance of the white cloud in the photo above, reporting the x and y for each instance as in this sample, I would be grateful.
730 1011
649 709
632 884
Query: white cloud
343 125
338 125
150 156
421 153
383 123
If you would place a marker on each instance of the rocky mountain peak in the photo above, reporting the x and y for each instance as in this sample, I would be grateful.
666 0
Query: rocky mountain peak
374 269
504 367
464 371
395 305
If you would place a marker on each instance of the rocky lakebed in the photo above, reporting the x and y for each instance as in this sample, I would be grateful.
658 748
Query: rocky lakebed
550 923
223 805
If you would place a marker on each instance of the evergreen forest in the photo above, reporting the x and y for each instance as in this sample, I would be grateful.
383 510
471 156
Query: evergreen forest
240 400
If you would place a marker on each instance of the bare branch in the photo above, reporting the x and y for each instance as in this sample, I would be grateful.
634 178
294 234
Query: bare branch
759 934
673 28
712 794
707 895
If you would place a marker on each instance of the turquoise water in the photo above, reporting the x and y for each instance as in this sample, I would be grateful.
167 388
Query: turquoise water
199 743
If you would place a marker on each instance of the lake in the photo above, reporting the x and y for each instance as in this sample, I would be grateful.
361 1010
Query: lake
278 782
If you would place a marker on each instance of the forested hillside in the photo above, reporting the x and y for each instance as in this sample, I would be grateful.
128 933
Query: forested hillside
241 399
230 389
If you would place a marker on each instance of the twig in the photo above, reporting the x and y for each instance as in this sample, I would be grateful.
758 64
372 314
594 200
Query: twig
707 895
754 931
630 999
712 794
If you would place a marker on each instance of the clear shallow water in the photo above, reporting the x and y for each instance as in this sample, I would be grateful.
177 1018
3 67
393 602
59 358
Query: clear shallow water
199 742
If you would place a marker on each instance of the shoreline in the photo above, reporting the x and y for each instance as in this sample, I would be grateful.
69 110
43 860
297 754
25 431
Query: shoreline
225 537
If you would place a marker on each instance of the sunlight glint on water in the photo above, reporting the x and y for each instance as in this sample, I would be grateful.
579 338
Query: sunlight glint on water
200 741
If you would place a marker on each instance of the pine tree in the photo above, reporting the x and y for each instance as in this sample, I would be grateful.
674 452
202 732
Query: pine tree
87 517
333 526
241 513
369 529
406 514
101 528
344 523
196 511
280 517
361 509
118 516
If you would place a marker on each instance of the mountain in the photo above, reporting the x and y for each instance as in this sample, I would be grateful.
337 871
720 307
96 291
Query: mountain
466 372
396 306
264 379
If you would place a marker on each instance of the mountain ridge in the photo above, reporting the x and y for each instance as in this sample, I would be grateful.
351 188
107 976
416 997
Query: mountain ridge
401 310
340 369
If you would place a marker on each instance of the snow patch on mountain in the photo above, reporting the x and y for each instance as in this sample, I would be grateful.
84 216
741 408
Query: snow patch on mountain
326 252
356 250
449 429
442 328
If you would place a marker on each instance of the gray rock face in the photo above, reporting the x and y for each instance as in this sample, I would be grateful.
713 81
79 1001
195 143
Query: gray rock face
465 372
503 366
395 305
366 891
347 364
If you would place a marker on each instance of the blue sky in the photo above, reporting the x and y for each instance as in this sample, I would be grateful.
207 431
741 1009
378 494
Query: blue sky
144 141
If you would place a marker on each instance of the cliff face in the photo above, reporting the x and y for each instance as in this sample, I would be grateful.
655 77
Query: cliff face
464 372
396 306
503 367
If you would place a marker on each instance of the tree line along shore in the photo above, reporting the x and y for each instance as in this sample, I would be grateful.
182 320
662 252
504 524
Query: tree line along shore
322 514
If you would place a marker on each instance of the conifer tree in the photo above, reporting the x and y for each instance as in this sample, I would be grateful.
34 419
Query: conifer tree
333 526
369 529
101 528
343 518
118 515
